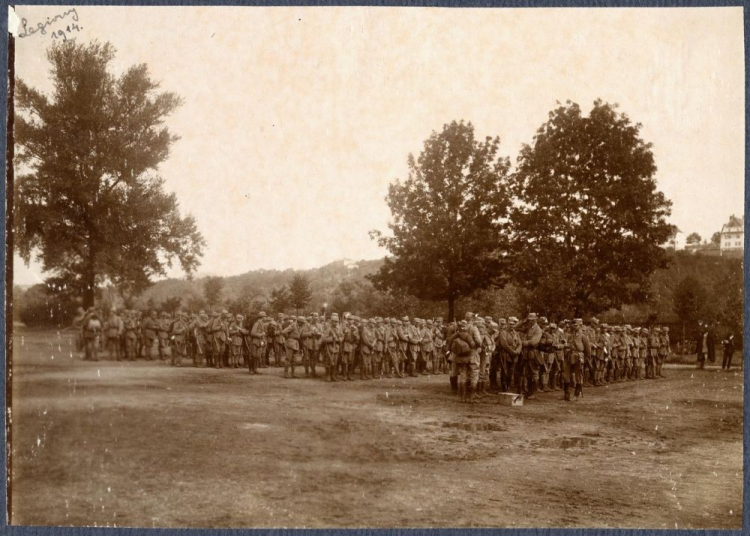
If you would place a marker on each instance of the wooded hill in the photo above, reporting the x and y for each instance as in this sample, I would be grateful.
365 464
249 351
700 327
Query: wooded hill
693 288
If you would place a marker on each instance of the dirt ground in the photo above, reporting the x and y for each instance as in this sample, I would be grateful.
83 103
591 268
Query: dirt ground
145 444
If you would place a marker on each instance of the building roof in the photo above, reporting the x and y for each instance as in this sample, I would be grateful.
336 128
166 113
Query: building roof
734 221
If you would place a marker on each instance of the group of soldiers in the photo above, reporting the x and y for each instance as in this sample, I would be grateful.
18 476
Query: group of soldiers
534 355
480 354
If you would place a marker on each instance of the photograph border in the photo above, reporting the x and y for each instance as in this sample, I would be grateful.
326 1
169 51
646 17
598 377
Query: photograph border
7 50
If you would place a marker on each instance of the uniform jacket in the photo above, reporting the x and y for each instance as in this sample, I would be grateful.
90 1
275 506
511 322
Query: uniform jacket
258 333
179 330
291 335
150 326
307 336
333 337
368 340
427 343
114 326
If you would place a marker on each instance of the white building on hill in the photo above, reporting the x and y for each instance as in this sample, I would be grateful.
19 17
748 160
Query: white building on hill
675 242
733 235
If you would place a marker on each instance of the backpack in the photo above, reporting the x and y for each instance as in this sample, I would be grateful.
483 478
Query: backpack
460 347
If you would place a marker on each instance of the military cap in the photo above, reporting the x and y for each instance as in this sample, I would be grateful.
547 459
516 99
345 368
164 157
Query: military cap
666 329
387 320
405 319
532 316
502 321
657 329
543 320
301 319
224 311
429 321
578 321
627 326
479 320
164 313
262 314
315 315
512 320
463 323
488 319
238 316
644 330
594 320
553 325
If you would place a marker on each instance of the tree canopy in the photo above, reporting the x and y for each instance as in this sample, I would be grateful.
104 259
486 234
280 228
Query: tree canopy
299 292
447 228
695 238
213 289
88 202
690 302
588 220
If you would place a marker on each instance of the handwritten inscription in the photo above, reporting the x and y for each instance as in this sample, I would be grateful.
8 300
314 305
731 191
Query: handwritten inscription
41 27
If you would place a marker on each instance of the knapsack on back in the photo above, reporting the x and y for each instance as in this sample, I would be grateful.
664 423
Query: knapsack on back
460 347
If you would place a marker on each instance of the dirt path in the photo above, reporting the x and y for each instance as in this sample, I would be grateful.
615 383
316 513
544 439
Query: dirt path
142 444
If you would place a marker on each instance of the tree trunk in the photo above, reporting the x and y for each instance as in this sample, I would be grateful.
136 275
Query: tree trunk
451 309
89 280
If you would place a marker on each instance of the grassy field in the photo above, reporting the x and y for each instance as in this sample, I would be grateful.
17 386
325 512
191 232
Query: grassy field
149 445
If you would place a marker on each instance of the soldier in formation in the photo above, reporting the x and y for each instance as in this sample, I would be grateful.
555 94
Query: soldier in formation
480 354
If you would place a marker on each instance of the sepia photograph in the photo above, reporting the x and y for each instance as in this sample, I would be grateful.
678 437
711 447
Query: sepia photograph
375 267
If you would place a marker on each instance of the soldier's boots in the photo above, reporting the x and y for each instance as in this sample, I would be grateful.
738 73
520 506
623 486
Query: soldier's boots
545 380
532 389
471 393
454 384
412 372
479 391
461 389
566 391
348 372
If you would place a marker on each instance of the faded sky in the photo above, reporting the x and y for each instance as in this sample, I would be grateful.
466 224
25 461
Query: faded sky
297 119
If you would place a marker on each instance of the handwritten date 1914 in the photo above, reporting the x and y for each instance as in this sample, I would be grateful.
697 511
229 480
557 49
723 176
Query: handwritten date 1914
61 34
41 27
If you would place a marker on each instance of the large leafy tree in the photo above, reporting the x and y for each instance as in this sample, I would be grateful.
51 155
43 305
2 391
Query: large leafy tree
88 202
448 217
589 221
